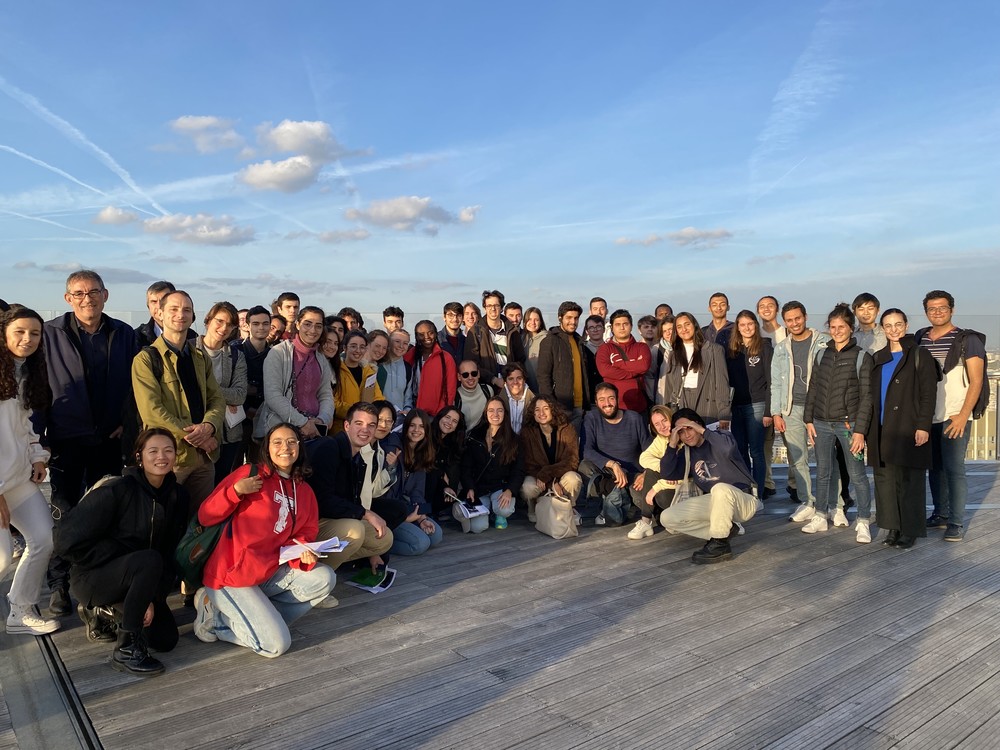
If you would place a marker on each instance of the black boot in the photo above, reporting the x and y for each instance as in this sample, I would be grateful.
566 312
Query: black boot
714 551
891 537
131 655
100 622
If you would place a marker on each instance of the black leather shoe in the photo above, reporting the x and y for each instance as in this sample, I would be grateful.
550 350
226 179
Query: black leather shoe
904 542
132 656
793 494
769 492
59 603
714 551
891 537
100 622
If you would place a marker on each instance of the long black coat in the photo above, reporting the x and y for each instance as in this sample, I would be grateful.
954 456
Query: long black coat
909 406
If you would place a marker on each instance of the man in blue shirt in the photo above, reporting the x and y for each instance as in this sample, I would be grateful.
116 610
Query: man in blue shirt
719 471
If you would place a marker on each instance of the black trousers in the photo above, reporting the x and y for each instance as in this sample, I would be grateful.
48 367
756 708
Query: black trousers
901 499
136 579
76 465
661 499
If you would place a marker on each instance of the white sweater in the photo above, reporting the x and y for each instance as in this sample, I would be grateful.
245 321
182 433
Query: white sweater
19 444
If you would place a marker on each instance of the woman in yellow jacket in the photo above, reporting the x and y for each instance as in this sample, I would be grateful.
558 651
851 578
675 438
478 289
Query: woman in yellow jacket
355 382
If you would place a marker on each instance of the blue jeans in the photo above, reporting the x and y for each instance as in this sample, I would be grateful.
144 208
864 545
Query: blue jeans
828 434
748 429
257 617
949 486
409 539
797 443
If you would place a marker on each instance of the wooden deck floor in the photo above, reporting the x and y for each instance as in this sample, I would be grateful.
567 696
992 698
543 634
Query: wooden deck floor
514 640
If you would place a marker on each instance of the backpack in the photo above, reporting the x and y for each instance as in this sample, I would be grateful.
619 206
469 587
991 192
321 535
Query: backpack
954 358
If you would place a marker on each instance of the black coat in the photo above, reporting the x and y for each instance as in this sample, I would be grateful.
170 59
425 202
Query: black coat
909 406
124 515
555 368
482 469
479 348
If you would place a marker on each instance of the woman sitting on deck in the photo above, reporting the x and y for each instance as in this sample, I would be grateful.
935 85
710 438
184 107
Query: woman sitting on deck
249 598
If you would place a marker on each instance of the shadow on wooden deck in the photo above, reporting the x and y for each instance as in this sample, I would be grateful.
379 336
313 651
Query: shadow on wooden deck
511 639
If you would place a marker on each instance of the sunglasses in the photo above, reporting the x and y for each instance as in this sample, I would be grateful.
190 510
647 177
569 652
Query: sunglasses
472 374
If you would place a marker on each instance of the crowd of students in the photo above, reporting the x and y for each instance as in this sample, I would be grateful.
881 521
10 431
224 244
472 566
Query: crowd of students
287 424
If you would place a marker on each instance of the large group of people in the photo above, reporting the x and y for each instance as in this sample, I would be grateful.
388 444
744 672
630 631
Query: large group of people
285 425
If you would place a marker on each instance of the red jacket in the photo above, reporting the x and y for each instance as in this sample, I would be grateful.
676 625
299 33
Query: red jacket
438 379
625 373
263 523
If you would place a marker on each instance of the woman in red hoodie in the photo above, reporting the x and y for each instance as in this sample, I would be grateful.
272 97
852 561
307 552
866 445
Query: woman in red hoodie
249 598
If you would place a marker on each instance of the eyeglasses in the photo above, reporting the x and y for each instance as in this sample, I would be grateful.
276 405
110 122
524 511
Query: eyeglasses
942 309
893 326
386 422
92 294
472 374
492 307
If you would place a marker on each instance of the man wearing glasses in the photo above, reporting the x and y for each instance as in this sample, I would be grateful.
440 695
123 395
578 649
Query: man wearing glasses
89 357
719 471
494 341
471 395
961 353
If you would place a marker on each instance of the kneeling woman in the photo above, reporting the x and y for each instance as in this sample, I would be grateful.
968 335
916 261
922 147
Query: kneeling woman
120 540
491 470
249 598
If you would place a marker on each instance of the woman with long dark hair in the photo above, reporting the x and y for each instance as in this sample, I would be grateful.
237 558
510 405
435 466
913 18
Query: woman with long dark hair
697 377
120 540
838 409
534 334
904 388
24 387
491 471
418 532
748 359
657 492
249 597
444 480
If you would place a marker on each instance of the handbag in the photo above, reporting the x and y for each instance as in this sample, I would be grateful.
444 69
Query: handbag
554 516
687 487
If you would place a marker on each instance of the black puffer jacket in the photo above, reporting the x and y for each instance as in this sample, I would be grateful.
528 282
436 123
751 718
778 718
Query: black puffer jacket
482 469
839 390
125 515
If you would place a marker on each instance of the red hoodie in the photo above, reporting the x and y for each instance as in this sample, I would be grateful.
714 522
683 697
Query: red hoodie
438 379
264 522
625 373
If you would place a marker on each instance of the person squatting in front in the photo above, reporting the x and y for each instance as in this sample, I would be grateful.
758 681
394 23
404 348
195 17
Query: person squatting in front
249 598
719 471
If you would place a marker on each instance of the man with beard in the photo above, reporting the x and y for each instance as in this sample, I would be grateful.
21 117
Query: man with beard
562 365
613 438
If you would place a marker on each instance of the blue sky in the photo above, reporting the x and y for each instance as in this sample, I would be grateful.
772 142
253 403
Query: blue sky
411 153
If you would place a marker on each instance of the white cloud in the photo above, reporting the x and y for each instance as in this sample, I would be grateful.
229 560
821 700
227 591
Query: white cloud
333 237
200 229
407 213
288 176
761 259
698 239
313 138
209 134
114 215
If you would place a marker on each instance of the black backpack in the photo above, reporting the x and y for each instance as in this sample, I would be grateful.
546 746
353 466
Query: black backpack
956 356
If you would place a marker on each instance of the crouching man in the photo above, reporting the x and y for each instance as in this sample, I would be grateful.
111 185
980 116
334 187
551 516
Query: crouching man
720 472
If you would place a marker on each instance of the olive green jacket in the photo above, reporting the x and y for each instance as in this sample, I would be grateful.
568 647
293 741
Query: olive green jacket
162 403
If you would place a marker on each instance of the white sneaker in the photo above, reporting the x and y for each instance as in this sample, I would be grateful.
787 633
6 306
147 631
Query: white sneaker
864 533
26 619
641 530
741 530
840 519
600 520
329 603
803 513
816 523
204 619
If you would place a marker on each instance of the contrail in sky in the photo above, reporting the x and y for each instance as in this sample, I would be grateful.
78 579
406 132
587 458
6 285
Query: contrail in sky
63 173
54 223
68 130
